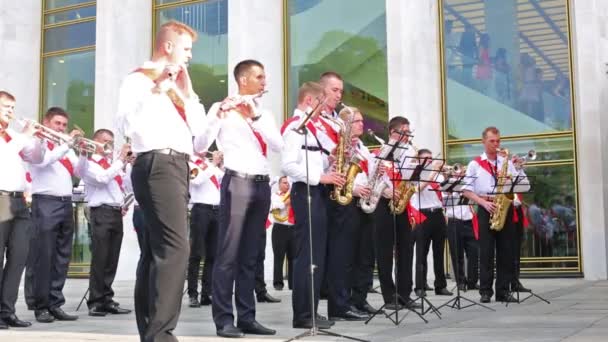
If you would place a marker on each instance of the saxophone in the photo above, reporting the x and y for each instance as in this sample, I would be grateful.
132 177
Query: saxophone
376 181
407 190
502 201
276 213
344 194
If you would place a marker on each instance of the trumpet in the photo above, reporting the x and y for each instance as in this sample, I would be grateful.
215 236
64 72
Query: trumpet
457 168
520 161
46 133
371 133
89 146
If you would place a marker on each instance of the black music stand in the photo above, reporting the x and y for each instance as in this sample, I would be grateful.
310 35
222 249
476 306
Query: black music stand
518 185
451 187
394 156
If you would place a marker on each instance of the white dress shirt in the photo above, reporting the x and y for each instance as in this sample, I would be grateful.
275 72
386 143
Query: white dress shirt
151 120
205 188
101 186
276 202
235 136
51 177
428 198
13 153
369 160
483 182
323 128
293 156
460 212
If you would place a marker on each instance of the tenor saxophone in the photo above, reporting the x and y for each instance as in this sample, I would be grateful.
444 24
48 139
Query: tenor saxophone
502 201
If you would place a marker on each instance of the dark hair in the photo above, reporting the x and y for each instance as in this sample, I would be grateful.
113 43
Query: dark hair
102 131
243 66
56 111
327 75
490 129
396 122
7 95
424 151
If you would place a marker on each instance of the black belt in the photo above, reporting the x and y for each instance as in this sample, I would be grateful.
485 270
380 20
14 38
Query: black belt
311 148
18 194
55 198
255 178
169 152
208 206
107 206
430 210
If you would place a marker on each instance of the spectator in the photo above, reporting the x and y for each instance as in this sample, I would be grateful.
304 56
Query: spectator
502 77
483 73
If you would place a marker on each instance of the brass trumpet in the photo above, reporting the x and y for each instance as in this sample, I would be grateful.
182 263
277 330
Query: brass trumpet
457 168
521 161
46 133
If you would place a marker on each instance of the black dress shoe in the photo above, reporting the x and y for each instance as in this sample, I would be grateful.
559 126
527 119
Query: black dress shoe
307 324
205 300
255 328
485 298
96 311
279 287
324 319
266 298
61 315
420 293
44 316
443 292
3 325
410 303
15 322
229 331
473 287
115 310
393 306
193 302
366 308
462 287
350 316
427 287
506 299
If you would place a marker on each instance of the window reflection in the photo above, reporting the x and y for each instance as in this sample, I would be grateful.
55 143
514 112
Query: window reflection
51 4
69 37
352 44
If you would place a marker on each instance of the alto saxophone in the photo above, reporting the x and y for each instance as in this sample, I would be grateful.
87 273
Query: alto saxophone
502 201
376 182
407 190
276 213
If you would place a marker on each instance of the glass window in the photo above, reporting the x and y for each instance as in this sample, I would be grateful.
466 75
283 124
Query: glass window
352 44
507 65
69 83
69 37
208 68
51 4
75 14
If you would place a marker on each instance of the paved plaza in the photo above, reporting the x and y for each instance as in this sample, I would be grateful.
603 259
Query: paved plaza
578 312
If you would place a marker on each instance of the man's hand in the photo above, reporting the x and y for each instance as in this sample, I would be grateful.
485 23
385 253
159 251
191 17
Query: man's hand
388 193
30 130
362 191
488 206
333 178
167 78
124 152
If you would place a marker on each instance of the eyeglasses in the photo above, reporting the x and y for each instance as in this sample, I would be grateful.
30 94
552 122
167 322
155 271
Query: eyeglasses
357 121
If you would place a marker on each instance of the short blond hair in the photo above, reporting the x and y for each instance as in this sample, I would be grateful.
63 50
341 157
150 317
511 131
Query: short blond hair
345 112
174 26
313 89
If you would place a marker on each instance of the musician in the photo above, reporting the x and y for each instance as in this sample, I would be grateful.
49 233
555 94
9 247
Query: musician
244 132
398 130
303 160
205 183
104 196
485 170
160 112
283 239
14 214
463 238
431 228
53 218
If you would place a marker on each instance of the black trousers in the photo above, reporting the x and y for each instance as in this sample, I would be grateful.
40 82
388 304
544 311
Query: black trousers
434 230
50 251
517 241
203 239
14 244
106 240
340 255
139 224
301 294
393 236
283 245
462 240
242 219
502 242
364 257
160 184
260 284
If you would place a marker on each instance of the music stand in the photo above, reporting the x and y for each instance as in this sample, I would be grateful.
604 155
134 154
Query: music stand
518 185
451 187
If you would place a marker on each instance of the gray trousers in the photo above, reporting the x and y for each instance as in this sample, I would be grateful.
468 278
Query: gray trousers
160 184
14 243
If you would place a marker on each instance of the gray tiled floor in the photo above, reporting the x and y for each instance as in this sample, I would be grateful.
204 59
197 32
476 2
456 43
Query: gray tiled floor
578 312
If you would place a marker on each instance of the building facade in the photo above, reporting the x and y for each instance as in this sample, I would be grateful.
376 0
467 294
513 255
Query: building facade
536 69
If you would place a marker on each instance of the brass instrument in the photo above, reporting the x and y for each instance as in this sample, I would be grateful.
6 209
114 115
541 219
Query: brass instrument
46 133
450 170
521 161
195 169
406 191
344 194
276 213
376 182
502 201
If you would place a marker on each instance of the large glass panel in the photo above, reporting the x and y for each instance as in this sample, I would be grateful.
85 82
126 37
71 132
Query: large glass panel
69 37
69 82
352 44
507 65
75 14
208 68
51 4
